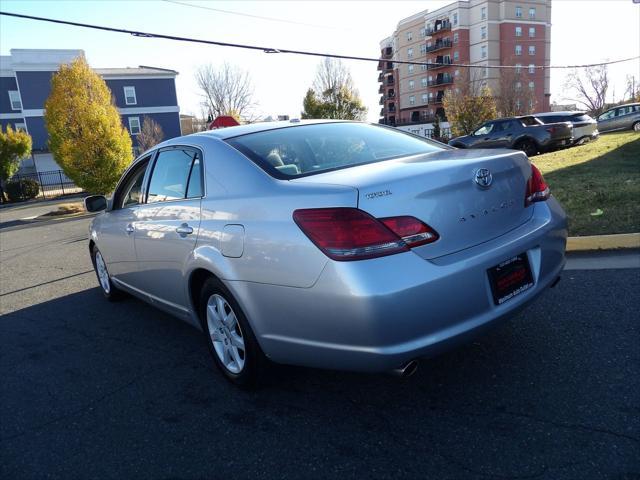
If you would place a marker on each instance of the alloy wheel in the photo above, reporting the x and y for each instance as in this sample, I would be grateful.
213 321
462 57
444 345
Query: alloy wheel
225 332
103 274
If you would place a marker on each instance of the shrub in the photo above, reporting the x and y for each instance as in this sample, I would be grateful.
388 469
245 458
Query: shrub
24 189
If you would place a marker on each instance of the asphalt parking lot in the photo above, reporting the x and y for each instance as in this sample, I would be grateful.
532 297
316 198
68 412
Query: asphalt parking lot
92 389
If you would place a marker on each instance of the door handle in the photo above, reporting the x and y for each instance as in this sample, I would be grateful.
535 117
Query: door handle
130 229
184 229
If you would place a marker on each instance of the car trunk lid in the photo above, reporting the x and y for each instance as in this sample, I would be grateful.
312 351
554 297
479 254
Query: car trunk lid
447 190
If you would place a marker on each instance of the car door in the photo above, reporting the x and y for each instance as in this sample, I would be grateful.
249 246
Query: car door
167 225
501 135
116 240
481 138
606 121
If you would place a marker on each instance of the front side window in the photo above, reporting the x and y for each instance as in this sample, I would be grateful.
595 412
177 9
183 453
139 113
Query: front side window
14 99
134 125
313 149
130 96
129 192
176 175
484 129
607 115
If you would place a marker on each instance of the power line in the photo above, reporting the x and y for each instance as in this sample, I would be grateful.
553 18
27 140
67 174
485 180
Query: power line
241 14
294 52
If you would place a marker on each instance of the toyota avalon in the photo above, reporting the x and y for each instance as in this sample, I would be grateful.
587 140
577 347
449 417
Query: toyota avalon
328 244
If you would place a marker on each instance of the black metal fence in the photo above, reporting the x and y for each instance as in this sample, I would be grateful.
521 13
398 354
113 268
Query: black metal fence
52 183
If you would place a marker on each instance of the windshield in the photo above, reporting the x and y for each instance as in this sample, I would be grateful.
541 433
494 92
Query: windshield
310 149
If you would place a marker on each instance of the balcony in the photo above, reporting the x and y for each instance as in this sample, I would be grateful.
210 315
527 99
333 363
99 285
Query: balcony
381 89
436 100
440 26
439 45
382 112
390 80
391 94
382 99
392 108
441 80
387 52
441 62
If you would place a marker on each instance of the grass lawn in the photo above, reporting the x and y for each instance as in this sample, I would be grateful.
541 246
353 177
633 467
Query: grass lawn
598 183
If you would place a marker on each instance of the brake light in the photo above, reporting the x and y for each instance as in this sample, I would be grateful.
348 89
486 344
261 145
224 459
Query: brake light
537 188
411 230
551 130
350 234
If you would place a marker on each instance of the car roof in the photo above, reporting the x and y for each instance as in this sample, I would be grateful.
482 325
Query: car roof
623 105
230 132
566 112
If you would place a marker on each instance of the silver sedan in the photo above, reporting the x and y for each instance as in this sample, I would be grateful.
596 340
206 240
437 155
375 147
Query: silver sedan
333 244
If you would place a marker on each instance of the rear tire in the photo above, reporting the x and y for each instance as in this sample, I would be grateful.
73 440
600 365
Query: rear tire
636 127
230 339
528 147
109 290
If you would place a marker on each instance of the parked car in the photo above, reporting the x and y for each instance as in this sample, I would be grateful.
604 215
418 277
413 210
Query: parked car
328 244
525 133
585 128
623 117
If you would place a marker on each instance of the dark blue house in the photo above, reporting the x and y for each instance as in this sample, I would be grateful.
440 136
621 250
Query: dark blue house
25 83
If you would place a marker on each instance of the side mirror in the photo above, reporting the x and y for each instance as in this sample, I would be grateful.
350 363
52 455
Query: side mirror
95 203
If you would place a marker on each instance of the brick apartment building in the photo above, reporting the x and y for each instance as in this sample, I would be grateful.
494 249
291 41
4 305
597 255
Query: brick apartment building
476 32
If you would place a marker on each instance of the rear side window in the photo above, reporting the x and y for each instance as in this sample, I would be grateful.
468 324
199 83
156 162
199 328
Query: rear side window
530 121
552 119
176 175
582 117
309 149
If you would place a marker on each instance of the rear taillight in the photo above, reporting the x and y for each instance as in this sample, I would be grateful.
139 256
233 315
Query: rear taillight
411 230
551 130
351 234
537 188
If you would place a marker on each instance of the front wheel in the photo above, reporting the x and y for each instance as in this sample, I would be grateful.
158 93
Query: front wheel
636 127
231 341
110 292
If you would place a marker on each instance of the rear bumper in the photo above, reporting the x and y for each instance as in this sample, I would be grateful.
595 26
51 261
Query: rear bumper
559 143
377 314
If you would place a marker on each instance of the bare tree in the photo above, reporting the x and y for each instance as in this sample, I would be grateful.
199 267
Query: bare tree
590 86
332 75
632 92
150 134
515 97
226 90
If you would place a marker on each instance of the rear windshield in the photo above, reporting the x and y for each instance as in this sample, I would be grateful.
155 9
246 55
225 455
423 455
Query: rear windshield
309 149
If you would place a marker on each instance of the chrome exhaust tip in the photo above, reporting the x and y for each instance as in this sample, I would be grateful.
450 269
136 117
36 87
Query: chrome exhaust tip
406 370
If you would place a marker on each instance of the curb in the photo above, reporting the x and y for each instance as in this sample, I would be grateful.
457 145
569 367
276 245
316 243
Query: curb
603 242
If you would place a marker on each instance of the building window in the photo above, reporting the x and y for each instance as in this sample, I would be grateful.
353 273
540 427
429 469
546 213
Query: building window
424 98
483 13
532 13
423 49
130 95
532 49
532 32
518 49
455 19
518 12
532 85
134 125
423 82
518 104
455 37
456 73
410 69
456 56
531 103
483 51
412 84
409 36
14 99
21 126
423 32
532 68
412 100
423 67
518 85
409 52
483 32
518 31
486 72
518 67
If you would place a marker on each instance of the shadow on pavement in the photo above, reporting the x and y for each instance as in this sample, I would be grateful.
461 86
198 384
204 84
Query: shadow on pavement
91 388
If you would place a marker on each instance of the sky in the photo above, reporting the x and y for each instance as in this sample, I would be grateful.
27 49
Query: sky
583 31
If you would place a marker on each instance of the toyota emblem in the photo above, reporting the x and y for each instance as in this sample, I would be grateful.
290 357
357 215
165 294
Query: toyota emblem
483 178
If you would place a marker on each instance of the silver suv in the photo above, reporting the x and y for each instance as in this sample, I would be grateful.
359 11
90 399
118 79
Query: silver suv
622 117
